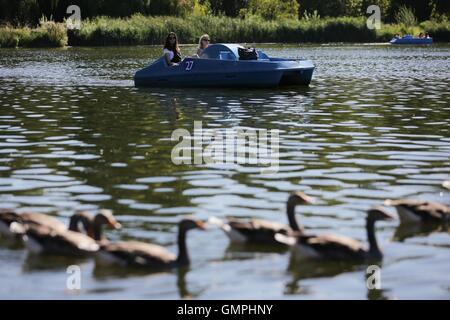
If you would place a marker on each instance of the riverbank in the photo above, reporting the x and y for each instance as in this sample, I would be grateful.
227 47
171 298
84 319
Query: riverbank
142 30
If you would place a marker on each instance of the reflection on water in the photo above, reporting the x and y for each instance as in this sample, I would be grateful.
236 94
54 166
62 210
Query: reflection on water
314 269
374 124
34 263
413 230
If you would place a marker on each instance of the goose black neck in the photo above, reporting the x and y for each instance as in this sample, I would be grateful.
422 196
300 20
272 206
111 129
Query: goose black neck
374 250
73 223
183 256
291 216
75 220
97 231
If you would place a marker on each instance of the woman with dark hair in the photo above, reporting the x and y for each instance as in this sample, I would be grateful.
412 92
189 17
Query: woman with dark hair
171 49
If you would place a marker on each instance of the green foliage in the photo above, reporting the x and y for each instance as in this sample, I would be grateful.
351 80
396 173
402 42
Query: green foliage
438 30
387 32
48 34
9 37
333 8
139 29
201 9
385 6
272 9
439 12
28 12
314 16
406 17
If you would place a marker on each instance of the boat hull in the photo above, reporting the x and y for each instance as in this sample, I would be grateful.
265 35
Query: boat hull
412 41
199 72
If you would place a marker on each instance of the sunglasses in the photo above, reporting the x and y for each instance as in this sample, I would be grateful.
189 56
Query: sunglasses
172 38
207 40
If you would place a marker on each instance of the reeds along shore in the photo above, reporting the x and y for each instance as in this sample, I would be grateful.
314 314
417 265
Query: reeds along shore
142 30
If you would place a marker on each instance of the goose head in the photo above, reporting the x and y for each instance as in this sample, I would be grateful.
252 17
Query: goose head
190 224
105 217
299 198
379 213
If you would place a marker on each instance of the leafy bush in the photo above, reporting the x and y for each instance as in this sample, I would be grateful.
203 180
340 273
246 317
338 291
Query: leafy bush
272 9
314 16
406 16
9 37
151 30
139 29
48 34
438 30
201 9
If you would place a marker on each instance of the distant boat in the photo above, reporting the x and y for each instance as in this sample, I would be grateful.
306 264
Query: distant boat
223 65
409 39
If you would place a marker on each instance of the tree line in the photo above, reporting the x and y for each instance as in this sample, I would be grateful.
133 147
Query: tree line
28 12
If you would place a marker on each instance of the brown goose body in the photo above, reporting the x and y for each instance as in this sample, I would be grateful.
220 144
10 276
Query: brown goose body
136 253
12 223
331 246
418 211
146 255
337 247
258 231
255 230
43 239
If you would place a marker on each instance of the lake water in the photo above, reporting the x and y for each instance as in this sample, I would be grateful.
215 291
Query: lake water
373 124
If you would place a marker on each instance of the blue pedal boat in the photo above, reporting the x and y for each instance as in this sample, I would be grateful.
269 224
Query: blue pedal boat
221 66
409 39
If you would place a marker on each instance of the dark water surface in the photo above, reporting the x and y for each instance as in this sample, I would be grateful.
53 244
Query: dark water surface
375 123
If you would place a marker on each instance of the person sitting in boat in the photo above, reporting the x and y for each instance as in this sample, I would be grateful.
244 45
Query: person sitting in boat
421 35
171 50
397 36
203 43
